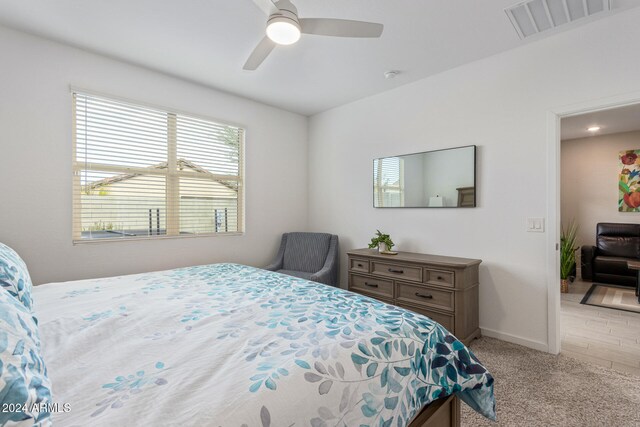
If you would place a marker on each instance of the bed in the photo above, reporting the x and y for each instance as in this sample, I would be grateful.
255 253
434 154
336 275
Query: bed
232 345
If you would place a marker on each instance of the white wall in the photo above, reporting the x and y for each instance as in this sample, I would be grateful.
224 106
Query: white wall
501 105
589 191
35 163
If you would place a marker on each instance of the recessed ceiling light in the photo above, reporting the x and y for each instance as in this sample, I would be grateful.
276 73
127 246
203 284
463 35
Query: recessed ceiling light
391 74
593 128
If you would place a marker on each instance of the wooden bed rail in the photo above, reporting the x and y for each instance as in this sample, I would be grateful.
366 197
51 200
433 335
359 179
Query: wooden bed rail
441 413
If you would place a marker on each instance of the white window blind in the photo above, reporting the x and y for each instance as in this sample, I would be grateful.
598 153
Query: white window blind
388 182
141 172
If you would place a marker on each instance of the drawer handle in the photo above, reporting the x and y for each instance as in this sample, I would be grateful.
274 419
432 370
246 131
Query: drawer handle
418 294
440 278
391 270
359 265
371 285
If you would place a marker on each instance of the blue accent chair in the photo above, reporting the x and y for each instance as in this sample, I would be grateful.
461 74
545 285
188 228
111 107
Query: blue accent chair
311 256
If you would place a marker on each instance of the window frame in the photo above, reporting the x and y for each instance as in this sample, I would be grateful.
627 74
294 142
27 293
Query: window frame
76 167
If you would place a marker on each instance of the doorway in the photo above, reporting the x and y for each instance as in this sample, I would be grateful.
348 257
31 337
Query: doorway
568 137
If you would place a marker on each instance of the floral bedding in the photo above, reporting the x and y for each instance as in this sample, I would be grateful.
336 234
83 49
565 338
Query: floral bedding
14 276
25 389
231 345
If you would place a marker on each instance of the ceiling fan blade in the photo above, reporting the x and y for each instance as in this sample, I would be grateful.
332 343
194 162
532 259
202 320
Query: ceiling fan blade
259 54
266 6
340 27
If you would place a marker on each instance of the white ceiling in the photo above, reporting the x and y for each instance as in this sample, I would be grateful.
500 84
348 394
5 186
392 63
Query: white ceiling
208 41
616 120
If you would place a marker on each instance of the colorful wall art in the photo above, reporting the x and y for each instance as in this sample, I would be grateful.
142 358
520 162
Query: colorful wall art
629 183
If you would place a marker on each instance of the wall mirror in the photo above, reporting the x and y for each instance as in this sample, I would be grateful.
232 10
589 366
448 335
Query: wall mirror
432 179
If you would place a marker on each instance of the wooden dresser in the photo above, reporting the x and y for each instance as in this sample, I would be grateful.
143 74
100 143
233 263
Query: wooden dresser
442 288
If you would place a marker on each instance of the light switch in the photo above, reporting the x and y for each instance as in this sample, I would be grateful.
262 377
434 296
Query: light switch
535 225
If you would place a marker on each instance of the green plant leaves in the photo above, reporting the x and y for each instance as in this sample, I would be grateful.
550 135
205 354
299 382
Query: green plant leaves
568 249
624 187
381 238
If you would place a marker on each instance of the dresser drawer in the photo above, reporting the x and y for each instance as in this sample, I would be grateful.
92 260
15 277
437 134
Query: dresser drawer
439 277
397 271
445 320
374 287
359 264
424 296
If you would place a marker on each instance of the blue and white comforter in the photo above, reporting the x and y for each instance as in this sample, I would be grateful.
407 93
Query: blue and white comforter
231 345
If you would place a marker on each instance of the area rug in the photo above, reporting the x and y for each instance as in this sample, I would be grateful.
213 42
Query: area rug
611 296
536 389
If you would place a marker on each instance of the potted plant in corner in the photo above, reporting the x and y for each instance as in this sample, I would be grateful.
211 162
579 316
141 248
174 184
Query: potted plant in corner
568 250
383 242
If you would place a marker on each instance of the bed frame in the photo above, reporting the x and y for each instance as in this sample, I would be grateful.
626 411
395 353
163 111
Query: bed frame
443 412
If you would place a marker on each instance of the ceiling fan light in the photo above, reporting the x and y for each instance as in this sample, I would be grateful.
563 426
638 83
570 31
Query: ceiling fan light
282 30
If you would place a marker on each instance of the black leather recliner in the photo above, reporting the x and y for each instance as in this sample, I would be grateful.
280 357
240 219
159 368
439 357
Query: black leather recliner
607 261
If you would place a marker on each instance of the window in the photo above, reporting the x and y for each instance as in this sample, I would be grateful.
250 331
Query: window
388 182
140 171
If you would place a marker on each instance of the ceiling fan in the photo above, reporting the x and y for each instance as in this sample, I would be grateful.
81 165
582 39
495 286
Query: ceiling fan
285 28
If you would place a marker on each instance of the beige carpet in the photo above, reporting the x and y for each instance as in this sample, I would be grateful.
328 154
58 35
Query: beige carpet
616 297
538 389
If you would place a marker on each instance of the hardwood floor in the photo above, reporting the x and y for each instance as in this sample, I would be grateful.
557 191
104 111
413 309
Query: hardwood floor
599 335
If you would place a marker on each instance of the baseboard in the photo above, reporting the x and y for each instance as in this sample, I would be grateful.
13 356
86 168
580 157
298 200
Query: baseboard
536 345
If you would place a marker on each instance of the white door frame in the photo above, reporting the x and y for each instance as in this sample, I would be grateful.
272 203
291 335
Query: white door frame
553 201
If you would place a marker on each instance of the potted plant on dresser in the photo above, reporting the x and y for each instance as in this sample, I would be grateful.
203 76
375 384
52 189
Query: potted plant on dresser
568 250
383 242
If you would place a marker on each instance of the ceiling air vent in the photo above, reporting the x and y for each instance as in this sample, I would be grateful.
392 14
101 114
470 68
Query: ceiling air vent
536 16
